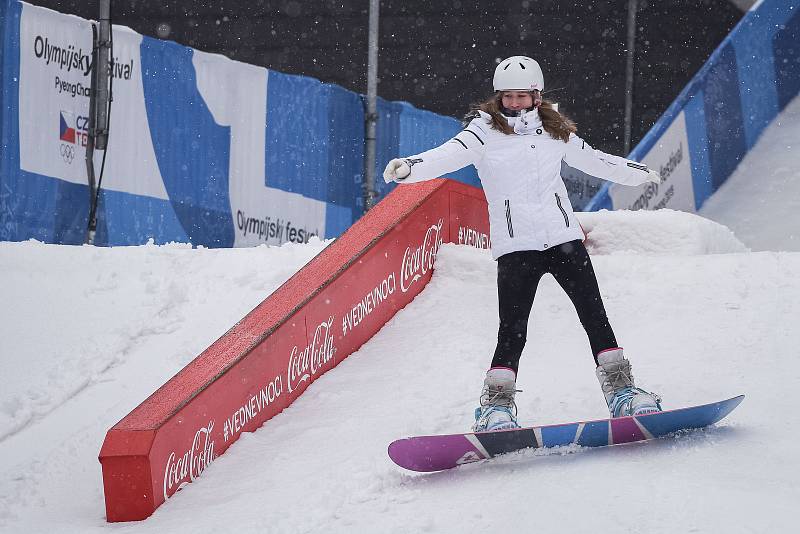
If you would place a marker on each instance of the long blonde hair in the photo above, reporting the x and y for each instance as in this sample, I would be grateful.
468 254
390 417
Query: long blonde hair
557 125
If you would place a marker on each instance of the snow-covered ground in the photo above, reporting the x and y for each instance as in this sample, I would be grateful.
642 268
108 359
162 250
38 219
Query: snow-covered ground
88 333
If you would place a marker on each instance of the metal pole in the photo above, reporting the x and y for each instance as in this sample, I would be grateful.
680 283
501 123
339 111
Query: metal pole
99 98
632 6
371 117
104 68
90 231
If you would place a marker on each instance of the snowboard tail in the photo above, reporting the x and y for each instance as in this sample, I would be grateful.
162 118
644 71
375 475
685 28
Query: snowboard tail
435 453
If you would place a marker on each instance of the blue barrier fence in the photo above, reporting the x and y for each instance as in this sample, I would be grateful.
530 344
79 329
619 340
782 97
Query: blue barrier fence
202 149
219 153
720 114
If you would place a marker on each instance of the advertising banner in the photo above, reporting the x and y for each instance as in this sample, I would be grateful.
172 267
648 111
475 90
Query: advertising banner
55 81
201 149
54 85
191 154
581 187
670 157
720 114
236 96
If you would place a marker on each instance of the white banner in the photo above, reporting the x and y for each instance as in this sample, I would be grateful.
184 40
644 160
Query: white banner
55 56
236 94
670 157
54 85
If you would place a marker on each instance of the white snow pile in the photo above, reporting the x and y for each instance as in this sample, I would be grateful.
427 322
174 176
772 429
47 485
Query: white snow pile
70 314
664 231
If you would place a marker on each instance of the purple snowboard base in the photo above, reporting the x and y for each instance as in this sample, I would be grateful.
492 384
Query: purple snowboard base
435 453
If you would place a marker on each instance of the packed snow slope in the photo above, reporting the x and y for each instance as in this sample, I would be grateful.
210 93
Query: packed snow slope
88 333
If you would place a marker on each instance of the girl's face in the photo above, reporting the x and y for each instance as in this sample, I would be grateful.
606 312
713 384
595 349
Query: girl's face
517 100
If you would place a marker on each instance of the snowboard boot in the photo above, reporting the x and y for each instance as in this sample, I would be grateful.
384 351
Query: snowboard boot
498 410
622 396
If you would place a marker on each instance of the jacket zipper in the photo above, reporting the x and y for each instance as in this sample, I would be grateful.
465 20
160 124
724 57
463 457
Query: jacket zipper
564 213
508 219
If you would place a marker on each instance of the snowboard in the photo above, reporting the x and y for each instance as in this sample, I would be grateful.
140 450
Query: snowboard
436 453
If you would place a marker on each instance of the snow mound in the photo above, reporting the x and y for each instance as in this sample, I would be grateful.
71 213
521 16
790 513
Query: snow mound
74 313
666 232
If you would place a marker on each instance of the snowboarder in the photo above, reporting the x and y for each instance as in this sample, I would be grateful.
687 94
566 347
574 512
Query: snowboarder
518 142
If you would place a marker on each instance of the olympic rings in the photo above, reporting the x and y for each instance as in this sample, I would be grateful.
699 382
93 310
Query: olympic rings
67 152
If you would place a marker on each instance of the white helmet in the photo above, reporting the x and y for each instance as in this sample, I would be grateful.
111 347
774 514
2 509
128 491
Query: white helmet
518 73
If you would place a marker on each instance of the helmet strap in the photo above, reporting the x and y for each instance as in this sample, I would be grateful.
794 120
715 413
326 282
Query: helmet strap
537 98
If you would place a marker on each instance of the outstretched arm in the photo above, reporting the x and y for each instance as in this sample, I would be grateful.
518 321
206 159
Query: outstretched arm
466 148
582 156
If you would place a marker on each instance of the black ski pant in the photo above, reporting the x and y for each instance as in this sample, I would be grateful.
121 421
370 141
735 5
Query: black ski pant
518 275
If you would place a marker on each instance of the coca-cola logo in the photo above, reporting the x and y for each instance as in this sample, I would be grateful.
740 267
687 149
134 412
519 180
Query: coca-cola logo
181 470
303 364
418 261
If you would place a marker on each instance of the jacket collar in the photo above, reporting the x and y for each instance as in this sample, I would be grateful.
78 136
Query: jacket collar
526 123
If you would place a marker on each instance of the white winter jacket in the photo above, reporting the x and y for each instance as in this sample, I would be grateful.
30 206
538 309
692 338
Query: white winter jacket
521 176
